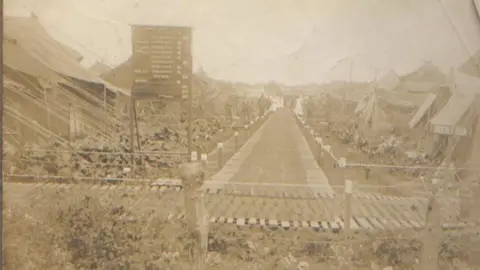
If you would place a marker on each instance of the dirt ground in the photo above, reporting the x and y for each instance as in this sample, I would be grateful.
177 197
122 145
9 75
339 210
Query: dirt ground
110 228
79 229
386 181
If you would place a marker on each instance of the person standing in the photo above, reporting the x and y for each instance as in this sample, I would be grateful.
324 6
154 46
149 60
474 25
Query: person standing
228 110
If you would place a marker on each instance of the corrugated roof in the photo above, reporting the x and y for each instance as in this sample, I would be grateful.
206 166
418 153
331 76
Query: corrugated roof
427 104
453 111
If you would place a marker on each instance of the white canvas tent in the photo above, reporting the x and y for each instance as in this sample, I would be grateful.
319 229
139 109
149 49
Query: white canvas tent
372 114
389 81
455 117
299 106
422 110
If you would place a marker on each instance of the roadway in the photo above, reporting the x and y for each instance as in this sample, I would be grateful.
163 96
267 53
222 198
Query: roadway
275 163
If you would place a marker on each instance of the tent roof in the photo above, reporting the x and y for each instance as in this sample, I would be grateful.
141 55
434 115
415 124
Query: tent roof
389 81
99 68
427 72
29 34
420 87
466 84
472 65
18 59
121 75
422 110
453 111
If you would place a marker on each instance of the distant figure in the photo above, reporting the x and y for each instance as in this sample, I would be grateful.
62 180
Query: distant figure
228 110
245 110
262 105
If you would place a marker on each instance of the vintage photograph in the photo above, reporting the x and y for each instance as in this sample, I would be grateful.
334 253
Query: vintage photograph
210 135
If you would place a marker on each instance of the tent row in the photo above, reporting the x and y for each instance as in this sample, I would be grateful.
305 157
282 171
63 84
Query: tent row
48 91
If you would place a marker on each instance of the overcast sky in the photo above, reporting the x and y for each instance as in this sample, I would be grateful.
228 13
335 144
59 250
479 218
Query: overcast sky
291 41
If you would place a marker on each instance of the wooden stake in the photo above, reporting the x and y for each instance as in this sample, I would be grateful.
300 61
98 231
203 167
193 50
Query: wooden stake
193 176
137 129
432 236
131 140
220 155
45 96
237 144
105 109
348 207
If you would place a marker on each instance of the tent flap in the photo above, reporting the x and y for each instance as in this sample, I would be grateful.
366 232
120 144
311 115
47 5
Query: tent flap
422 110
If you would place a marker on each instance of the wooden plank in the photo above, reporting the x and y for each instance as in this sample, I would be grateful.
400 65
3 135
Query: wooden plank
241 221
359 205
371 210
328 209
363 223
334 225
253 221
314 224
354 225
376 224
411 215
262 222
285 224
403 215
339 221
325 225
273 223
385 215
221 220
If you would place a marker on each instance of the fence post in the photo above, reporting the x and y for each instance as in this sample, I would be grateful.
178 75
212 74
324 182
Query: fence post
247 135
220 155
432 234
348 207
319 152
193 156
199 153
235 135
193 176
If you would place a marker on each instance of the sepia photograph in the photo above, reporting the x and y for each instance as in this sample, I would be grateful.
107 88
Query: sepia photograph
240 134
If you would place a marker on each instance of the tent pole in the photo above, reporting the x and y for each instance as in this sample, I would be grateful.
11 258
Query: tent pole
105 109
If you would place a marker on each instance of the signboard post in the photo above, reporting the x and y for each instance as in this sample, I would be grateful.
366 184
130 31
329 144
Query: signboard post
162 65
